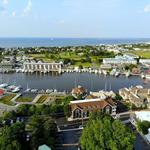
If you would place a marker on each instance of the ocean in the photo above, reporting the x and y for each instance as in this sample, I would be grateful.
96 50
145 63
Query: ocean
47 42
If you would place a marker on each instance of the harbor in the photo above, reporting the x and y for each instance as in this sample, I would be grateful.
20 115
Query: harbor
54 82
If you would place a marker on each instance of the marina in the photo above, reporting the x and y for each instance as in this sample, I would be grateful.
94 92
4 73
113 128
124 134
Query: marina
54 82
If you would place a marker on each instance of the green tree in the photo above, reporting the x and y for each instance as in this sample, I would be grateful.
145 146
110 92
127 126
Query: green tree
12 138
143 126
43 131
104 133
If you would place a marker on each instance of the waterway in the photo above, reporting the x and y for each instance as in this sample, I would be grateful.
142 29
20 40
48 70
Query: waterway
66 81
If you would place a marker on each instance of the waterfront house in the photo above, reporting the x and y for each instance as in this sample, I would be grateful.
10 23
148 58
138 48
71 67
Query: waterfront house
79 92
103 94
81 109
137 95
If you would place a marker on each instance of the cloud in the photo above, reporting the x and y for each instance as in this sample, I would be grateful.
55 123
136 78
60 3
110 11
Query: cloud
4 2
3 6
147 8
28 8
13 14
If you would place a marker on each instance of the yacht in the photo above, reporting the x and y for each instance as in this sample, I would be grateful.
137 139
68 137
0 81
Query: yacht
16 90
117 74
147 76
3 85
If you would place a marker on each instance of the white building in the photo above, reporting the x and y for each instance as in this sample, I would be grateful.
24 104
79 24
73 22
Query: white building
144 61
120 60
143 115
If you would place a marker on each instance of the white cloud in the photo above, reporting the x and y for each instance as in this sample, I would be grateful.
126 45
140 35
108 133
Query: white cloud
3 7
28 8
147 8
5 2
13 14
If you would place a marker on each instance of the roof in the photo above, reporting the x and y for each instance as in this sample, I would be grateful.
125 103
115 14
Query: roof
92 103
44 147
1 91
91 97
79 90
143 115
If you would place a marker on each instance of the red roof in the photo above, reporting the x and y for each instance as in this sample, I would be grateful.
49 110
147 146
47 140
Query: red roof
1 92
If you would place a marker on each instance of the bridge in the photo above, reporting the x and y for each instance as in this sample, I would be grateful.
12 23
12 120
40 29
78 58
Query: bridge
41 67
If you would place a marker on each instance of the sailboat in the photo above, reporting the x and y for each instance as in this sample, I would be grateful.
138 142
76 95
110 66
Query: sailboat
28 89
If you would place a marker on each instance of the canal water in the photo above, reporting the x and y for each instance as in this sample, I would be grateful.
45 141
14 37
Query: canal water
66 81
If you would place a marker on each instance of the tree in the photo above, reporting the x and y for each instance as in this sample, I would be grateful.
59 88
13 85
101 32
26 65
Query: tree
143 126
66 105
43 131
103 132
13 137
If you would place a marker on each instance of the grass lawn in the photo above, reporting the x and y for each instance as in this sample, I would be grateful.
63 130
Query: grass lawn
42 99
7 99
24 99
68 55
142 53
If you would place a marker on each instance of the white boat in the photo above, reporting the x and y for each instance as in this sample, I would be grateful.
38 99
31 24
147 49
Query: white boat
127 74
27 90
147 76
4 85
34 90
143 76
12 87
16 90
117 74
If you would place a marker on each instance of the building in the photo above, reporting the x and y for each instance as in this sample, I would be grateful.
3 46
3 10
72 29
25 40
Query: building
103 94
137 95
120 60
144 61
79 92
131 56
81 109
41 66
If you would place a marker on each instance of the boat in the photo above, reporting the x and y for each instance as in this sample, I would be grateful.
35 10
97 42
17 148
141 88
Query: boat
16 90
143 76
127 74
34 90
147 76
3 85
117 74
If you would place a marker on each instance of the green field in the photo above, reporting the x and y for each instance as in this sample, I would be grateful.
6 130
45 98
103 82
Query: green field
7 99
142 53
76 58
24 99
42 99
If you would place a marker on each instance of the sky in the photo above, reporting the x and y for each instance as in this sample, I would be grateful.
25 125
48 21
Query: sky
75 18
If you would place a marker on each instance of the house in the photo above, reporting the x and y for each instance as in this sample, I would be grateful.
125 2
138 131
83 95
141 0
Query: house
137 95
81 109
103 94
79 92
